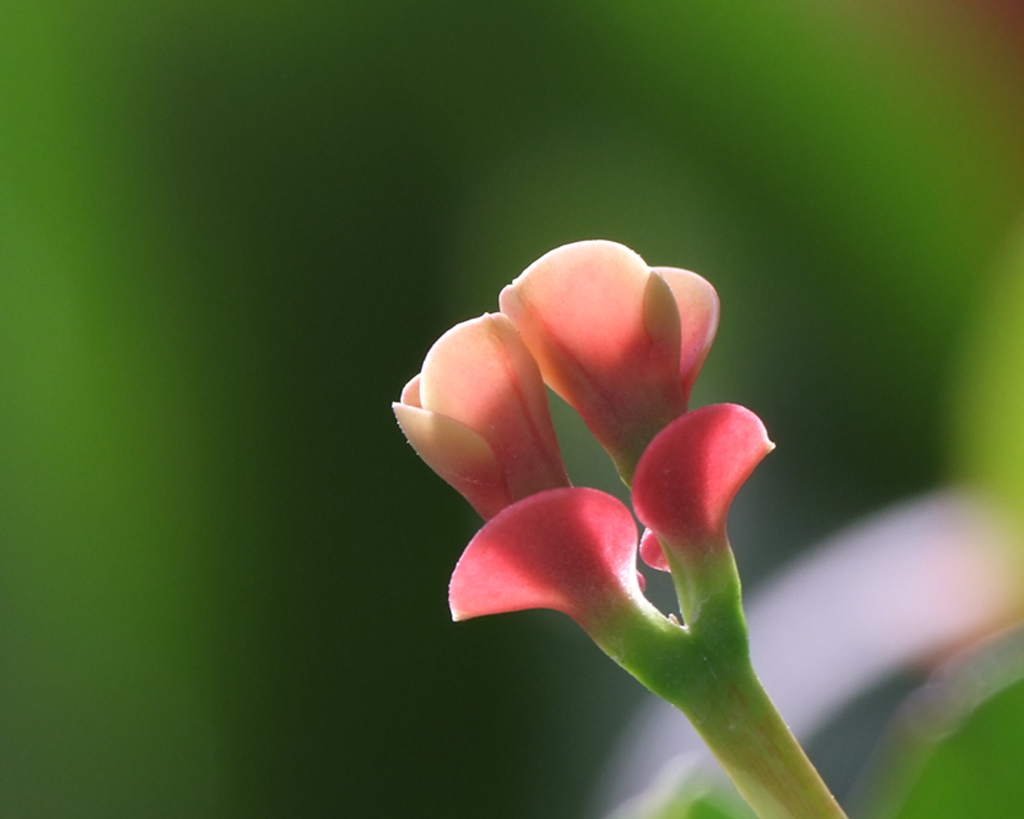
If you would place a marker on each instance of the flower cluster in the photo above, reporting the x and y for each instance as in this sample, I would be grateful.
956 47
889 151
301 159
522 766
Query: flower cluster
622 343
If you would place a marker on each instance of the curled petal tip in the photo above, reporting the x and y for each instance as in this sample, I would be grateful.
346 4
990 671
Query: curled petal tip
661 319
411 393
689 475
452 449
699 309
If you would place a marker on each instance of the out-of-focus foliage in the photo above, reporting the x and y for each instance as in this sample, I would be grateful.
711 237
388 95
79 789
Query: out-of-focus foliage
976 772
956 749
228 234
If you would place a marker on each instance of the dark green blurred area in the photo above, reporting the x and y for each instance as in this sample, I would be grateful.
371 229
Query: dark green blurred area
228 235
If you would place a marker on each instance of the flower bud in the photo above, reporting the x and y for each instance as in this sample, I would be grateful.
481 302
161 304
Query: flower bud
620 342
478 415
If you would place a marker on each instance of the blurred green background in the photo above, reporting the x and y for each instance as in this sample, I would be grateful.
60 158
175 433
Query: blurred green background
230 231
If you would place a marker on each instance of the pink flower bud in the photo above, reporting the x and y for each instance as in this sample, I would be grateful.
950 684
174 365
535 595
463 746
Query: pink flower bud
478 415
689 475
571 550
620 342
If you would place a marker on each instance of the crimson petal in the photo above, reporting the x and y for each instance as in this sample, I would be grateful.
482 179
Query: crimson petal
688 476
571 550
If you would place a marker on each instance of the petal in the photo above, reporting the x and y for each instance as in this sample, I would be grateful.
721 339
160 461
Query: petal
580 311
652 553
601 327
571 550
689 475
661 320
698 311
411 392
481 374
456 453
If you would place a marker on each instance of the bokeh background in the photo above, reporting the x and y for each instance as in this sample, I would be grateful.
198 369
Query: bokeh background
230 231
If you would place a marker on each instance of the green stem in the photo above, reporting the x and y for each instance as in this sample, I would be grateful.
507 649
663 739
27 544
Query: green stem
756 749
703 668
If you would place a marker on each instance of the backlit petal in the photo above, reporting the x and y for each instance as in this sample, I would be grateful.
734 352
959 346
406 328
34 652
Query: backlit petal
689 475
698 310
571 550
602 329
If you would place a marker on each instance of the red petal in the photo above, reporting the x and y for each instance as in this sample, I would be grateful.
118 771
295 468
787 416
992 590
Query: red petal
690 473
571 550
652 553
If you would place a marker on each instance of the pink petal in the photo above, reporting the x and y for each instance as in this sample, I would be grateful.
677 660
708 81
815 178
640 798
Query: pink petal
586 299
481 374
698 311
689 475
411 392
458 454
571 550
652 553
605 333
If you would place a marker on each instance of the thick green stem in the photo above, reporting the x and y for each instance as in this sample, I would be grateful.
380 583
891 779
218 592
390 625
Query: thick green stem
755 747
724 700
703 668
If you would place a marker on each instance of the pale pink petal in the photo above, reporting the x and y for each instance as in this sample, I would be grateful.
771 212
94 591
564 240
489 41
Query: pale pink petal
698 312
580 311
411 392
689 475
458 454
571 550
661 321
601 328
481 374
